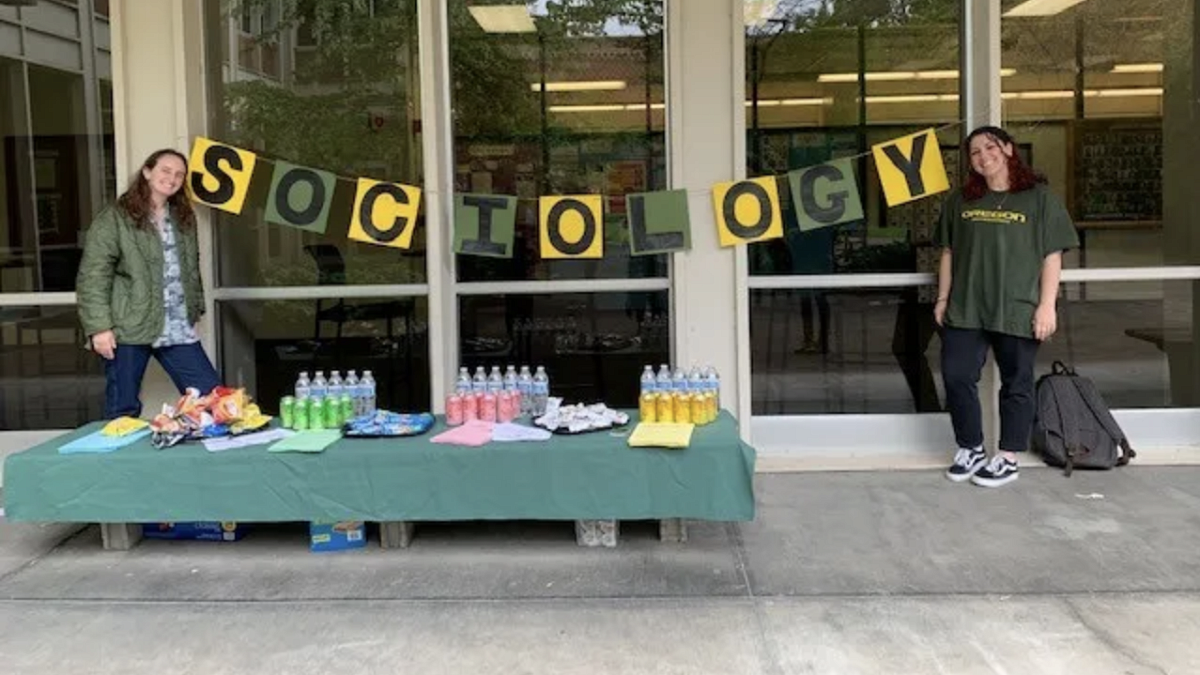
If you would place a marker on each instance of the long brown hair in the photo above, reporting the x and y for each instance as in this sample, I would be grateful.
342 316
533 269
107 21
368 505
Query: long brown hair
1021 176
136 204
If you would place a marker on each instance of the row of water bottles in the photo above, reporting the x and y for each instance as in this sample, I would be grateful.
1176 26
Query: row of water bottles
534 387
695 381
360 391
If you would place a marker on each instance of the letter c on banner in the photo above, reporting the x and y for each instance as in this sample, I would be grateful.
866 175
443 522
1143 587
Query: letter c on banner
557 214
223 167
384 222
747 211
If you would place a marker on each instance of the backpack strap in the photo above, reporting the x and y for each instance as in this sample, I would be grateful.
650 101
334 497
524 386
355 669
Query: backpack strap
1069 427
1102 414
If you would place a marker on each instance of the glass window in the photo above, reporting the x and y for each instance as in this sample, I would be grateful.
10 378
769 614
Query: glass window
557 98
593 345
47 381
266 344
826 81
347 104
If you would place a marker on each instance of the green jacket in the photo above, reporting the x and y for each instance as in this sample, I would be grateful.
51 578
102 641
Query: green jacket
120 282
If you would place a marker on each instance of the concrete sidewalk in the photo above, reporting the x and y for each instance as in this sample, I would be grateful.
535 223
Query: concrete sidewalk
861 572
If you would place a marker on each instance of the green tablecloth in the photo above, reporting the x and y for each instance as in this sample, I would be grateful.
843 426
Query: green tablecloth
592 476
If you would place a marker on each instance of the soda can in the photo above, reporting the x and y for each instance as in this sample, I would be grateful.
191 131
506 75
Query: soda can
666 408
315 419
331 413
487 407
287 411
300 416
699 410
454 410
347 411
648 407
470 407
504 407
683 408
714 408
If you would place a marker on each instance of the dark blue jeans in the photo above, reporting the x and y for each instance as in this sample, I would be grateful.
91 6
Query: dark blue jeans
963 354
187 365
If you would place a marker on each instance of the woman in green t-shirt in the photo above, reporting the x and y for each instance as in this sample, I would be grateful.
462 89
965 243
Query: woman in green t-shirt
1002 238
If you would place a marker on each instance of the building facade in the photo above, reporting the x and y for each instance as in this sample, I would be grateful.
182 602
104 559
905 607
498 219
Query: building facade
823 339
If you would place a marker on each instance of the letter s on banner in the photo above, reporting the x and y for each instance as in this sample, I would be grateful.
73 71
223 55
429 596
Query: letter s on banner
748 211
219 175
385 214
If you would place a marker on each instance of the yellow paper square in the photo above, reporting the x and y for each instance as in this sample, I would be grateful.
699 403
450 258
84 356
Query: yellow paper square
392 214
661 435
897 188
219 175
578 230
742 217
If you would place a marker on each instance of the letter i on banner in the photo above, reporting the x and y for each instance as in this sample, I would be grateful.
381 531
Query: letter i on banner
910 167
484 225
748 211
570 227
385 214
219 175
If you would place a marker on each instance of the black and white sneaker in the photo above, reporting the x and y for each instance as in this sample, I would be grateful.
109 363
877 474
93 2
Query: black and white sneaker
967 461
999 471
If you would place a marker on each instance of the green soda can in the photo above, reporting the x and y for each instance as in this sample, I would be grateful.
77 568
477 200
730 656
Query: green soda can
347 412
300 415
315 419
331 412
287 411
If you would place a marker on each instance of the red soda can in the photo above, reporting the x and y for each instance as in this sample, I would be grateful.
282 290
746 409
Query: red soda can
470 407
487 407
504 407
454 410
516 403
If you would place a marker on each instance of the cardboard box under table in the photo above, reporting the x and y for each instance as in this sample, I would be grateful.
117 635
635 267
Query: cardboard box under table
395 482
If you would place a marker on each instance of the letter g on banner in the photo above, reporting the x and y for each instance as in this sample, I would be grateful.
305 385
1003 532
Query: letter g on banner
747 211
219 175
385 214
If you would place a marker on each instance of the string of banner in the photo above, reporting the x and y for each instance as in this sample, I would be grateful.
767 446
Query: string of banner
572 226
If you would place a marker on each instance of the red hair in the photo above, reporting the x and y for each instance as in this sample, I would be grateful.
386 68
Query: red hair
1021 176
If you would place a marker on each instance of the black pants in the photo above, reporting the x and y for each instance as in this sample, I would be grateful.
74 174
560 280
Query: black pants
963 355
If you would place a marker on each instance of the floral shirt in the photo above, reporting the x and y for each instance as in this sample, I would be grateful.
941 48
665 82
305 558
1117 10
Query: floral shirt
176 329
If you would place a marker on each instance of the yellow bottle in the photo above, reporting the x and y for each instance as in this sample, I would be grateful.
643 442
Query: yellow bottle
683 408
699 409
714 408
648 407
666 412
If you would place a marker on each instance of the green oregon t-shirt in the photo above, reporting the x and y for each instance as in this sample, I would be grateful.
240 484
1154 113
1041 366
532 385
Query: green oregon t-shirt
998 244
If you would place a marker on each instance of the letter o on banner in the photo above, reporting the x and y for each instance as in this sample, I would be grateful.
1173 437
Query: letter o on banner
385 214
219 175
300 197
571 227
747 211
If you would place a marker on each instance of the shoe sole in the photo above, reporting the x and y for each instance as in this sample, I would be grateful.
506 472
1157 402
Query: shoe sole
994 482
964 477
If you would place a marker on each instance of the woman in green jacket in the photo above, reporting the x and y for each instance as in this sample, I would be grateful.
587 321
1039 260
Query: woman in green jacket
139 289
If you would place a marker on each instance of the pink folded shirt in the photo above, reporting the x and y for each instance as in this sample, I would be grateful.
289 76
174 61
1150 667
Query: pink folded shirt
473 433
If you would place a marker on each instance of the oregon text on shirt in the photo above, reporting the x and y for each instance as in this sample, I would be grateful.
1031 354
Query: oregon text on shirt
986 216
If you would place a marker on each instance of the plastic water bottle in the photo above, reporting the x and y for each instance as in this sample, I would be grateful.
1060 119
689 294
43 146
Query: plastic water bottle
525 386
368 389
649 383
664 379
320 388
350 388
696 381
335 385
679 383
479 382
541 391
303 387
510 378
495 383
463 385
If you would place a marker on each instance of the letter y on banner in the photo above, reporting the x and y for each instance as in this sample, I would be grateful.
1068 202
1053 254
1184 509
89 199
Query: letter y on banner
910 167
219 175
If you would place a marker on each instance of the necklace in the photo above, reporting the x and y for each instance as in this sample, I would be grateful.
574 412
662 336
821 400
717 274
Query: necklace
1003 198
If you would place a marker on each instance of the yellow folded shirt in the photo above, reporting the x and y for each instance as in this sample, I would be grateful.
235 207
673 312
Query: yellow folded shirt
123 426
661 435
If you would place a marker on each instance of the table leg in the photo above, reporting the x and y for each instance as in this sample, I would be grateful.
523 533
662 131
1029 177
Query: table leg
593 533
395 534
672 530
120 536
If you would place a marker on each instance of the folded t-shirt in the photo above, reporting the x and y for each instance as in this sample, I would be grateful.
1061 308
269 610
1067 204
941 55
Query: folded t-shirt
474 434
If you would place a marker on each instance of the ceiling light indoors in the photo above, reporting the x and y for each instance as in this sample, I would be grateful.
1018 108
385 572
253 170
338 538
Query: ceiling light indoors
900 75
503 18
591 85
1137 68
1041 7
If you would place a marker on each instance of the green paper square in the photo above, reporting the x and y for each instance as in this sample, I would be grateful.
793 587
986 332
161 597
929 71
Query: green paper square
499 240
665 213
824 191
300 210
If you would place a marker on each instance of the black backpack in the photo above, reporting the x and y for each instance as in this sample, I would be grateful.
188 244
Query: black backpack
1074 428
